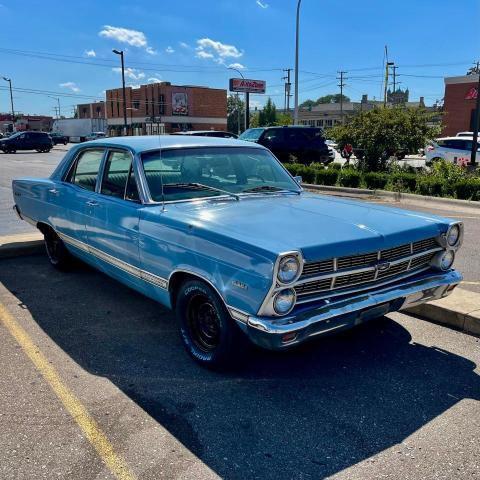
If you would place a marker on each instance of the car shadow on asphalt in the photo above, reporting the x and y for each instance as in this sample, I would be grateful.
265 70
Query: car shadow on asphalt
308 413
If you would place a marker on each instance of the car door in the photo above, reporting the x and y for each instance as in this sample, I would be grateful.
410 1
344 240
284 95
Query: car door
273 139
297 142
70 199
112 218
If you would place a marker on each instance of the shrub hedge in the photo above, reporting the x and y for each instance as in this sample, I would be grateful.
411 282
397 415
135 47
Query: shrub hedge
375 180
466 187
349 178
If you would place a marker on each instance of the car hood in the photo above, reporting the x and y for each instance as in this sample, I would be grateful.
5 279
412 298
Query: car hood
321 226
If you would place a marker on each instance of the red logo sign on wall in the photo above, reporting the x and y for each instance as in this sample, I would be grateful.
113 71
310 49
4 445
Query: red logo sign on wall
471 94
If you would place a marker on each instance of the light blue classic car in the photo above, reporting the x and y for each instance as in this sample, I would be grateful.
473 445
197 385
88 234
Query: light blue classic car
219 231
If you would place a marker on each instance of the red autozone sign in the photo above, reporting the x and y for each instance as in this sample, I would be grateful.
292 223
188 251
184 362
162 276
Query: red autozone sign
247 85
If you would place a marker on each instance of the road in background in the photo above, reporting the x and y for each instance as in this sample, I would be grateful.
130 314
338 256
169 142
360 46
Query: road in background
396 398
23 164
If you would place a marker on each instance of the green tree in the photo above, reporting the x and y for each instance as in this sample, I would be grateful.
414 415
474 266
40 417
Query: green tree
269 117
330 98
381 132
235 109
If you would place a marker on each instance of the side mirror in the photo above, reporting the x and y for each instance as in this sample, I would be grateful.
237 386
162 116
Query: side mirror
298 179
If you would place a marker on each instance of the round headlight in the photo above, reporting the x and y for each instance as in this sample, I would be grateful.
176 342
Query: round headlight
284 301
447 259
288 269
453 235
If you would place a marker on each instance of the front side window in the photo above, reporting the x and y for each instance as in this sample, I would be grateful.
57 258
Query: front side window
116 173
192 173
86 169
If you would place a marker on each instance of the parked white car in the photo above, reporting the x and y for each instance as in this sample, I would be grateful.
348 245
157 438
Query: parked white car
465 134
452 149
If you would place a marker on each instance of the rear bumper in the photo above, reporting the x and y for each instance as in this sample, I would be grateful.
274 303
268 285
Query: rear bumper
347 312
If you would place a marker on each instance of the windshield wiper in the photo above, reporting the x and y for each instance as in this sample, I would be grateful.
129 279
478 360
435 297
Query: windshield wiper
201 186
269 188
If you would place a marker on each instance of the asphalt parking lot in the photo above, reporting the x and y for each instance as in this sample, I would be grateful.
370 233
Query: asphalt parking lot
397 398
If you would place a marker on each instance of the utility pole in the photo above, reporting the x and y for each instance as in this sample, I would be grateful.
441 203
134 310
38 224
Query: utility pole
295 112
247 100
287 89
394 68
120 52
9 80
341 85
388 64
284 93
58 103
476 121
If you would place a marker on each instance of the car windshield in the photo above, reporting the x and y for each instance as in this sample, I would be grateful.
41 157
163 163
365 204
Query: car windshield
252 134
193 173
15 135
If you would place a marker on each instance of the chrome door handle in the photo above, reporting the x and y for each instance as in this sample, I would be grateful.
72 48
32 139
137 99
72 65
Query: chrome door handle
53 190
92 203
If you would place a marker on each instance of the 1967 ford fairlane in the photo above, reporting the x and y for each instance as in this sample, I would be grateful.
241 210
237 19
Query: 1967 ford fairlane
220 232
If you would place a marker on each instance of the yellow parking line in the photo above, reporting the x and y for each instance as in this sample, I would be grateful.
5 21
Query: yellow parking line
471 283
79 413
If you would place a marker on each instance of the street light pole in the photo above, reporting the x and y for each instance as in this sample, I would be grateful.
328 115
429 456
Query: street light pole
120 52
476 121
9 80
247 107
295 112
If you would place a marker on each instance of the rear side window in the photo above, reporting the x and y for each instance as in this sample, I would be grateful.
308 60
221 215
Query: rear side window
87 168
118 177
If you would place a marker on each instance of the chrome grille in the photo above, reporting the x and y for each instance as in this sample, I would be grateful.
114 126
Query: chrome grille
315 268
394 270
397 252
421 261
345 272
423 245
357 261
315 286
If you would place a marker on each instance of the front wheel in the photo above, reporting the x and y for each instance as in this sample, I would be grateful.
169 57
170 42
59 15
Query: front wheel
57 253
209 334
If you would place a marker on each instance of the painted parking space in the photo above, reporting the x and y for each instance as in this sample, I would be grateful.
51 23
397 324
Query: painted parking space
385 398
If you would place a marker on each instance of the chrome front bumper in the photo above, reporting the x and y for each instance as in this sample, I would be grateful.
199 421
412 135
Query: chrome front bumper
343 313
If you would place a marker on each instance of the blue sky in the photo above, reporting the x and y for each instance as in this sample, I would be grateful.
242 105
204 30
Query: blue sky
193 42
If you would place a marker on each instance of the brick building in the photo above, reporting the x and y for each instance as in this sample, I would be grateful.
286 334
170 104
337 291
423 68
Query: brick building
459 104
164 108
91 110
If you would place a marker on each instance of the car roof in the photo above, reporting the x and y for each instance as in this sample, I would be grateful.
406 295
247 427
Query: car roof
152 142
193 132
452 138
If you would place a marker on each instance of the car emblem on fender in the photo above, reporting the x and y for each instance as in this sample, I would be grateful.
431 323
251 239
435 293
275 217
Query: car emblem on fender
382 267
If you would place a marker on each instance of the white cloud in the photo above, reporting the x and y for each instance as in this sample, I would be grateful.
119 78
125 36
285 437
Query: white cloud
135 38
262 4
169 49
133 85
184 45
132 73
203 54
71 86
239 66
124 35
218 51
154 80
90 53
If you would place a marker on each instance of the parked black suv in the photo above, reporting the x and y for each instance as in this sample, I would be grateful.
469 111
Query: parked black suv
301 144
58 138
39 141
207 133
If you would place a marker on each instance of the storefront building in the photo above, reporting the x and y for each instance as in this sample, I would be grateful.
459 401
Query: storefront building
459 104
164 108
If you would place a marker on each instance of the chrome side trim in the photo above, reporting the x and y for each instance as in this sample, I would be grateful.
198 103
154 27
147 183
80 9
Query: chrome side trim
120 264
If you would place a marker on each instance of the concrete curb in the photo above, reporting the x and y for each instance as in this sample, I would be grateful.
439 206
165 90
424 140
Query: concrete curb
397 196
20 245
460 310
